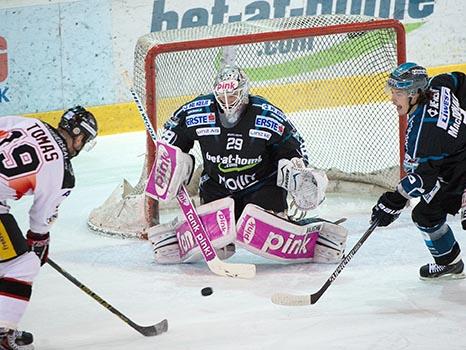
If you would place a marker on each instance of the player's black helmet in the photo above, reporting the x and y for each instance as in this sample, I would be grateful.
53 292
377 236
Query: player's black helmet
77 121
410 77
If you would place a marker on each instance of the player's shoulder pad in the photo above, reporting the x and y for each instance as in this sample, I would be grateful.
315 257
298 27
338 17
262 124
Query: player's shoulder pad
202 103
440 99
267 109
411 186
448 80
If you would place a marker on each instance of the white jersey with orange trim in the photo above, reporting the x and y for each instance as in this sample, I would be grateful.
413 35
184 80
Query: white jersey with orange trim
34 161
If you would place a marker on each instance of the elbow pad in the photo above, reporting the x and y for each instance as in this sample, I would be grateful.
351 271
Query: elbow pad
412 186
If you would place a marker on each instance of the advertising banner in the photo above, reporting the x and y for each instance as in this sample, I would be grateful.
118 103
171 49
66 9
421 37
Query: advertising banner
54 54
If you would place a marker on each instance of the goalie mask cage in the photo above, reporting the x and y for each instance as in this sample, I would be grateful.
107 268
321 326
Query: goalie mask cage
327 73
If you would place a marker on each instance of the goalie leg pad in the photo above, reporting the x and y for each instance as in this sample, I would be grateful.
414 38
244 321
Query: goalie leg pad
164 243
174 243
331 243
273 237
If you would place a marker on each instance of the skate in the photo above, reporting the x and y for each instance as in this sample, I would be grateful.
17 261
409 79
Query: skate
11 339
434 271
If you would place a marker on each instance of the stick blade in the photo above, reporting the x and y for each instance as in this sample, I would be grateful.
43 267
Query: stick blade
156 329
221 268
291 299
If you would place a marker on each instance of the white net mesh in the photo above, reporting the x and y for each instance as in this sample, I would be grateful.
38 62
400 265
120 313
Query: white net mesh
327 73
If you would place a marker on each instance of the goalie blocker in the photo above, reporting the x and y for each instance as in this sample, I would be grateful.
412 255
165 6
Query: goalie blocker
258 231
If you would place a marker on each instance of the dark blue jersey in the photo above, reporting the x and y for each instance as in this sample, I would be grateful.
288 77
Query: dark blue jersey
239 156
455 81
435 143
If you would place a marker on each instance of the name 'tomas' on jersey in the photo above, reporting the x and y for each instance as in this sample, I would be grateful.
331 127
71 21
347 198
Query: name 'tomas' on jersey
34 161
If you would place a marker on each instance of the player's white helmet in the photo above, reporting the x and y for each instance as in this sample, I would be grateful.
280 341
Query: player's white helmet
231 90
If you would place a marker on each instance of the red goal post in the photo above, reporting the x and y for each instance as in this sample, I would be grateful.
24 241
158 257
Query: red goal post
327 73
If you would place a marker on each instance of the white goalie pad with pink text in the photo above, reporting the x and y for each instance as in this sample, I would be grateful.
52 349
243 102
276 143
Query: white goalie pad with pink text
175 243
219 221
315 240
275 238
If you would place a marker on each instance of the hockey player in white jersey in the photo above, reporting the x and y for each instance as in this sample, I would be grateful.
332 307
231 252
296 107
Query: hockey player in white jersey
35 159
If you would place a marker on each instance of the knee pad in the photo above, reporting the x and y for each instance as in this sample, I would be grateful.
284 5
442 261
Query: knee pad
15 289
18 276
423 219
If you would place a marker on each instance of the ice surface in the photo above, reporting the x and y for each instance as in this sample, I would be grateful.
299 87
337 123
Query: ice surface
377 302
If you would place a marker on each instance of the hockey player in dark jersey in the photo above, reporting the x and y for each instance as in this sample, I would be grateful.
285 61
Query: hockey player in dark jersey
35 159
435 161
242 138
251 153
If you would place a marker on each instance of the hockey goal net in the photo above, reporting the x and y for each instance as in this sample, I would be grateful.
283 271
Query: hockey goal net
327 73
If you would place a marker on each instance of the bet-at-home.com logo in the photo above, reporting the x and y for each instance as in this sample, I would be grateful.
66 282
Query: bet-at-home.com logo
166 16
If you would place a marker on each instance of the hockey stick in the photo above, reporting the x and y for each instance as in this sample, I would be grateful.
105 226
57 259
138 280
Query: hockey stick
201 237
147 331
301 300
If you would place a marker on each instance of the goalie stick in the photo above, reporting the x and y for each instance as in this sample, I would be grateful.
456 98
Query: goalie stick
147 331
201 237
301 300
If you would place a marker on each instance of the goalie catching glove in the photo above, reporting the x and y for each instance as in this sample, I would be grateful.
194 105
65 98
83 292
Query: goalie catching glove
172 168
307 186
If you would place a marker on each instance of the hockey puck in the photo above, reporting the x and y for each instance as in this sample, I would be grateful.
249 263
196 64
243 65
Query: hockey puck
206 291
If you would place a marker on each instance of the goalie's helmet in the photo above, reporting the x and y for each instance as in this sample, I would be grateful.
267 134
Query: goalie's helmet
78 121
231 90
410 77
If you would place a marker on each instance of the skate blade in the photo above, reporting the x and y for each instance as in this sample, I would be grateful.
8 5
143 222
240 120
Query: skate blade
450 276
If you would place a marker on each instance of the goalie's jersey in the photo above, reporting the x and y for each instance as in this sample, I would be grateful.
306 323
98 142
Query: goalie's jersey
240 156
435 143
34 161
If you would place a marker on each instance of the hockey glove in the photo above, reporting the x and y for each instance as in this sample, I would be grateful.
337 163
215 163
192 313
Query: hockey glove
39 244
388 208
